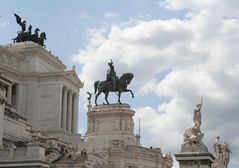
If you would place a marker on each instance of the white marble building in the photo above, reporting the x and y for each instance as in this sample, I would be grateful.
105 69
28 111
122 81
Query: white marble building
39 118
41 90
39 103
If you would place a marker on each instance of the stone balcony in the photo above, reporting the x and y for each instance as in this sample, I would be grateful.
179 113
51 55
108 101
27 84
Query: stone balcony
33 155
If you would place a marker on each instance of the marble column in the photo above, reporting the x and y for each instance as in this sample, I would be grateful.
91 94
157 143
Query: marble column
75 114
69 111
64 108
9 94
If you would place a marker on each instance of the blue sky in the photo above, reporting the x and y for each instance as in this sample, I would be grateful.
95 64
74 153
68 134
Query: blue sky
66 23
179 51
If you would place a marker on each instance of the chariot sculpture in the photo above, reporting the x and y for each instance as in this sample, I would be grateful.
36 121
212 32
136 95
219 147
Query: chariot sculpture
27 35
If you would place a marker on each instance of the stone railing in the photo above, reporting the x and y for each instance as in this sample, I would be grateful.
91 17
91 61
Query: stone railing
150 152
20 153
11 154
4 154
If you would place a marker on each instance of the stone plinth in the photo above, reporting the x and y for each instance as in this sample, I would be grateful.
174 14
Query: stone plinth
35 151
198 148
194 160
110 122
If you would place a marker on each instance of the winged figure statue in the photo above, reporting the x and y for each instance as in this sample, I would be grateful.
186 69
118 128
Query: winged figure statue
20 22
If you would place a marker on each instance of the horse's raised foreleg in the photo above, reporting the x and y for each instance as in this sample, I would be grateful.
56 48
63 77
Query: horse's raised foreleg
96 96
106 97
128 90
119 98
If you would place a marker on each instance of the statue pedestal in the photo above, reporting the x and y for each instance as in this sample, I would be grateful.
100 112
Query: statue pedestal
110 122
194 156
194 159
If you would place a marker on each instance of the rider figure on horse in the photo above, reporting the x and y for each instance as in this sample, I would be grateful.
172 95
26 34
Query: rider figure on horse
111 75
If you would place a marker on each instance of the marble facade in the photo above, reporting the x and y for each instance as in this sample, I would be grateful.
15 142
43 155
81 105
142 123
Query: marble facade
41 90
38 106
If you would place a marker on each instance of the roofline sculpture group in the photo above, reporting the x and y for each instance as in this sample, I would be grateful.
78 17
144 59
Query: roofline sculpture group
27 35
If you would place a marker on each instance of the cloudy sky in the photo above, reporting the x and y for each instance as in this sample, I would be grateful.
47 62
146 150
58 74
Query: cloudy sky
178 50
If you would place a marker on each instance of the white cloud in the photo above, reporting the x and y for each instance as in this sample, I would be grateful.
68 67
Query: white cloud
201 52
110 14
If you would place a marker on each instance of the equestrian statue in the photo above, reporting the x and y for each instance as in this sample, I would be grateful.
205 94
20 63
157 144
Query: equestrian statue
26 35
113 84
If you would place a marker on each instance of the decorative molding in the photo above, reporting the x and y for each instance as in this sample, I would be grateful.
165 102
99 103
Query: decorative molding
72 76
36 49
2 100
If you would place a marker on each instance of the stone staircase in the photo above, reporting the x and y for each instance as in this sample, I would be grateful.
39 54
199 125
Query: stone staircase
53 156
81 161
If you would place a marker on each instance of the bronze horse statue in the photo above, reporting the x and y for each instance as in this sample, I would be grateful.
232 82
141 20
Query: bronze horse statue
107 86
23 36
34 37
41 39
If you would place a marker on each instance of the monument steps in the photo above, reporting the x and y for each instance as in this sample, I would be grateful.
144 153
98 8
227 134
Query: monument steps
53 156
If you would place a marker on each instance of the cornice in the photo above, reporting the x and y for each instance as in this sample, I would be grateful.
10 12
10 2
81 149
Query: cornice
4 82
36 49
72 75
6 50
36 75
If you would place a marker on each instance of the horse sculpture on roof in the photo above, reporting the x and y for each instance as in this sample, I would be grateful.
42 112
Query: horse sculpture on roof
24 35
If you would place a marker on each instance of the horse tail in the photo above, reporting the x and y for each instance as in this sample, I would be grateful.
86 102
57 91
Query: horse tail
95 85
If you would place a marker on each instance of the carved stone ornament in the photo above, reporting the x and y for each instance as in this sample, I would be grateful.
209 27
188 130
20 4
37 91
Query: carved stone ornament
192 137
2 86
222 153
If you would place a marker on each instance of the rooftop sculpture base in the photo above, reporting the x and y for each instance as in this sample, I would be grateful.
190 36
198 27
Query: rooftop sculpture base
194 156
198 148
